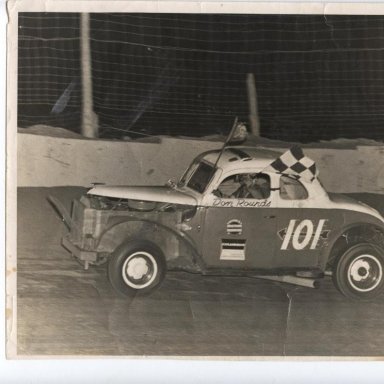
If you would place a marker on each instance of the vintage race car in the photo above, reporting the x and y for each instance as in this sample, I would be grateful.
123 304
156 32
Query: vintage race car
239 211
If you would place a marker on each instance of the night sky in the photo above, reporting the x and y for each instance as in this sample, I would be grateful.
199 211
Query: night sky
317 78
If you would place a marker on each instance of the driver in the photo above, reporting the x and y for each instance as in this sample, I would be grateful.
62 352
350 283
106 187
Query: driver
253 186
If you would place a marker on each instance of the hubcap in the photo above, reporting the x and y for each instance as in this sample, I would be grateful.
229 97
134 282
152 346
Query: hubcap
365 273
139 270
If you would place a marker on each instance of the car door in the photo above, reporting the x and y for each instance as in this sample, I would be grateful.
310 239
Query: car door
238 229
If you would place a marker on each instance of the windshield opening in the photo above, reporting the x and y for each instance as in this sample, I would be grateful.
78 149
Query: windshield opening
201 177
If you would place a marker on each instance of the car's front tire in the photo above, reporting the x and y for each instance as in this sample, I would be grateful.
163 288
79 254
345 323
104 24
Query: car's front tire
359 272
137 266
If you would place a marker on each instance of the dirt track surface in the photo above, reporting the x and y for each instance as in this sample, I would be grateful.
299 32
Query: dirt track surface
65 310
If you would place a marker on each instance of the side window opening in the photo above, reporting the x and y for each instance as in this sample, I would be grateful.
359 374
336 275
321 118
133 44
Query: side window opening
246 186
292 189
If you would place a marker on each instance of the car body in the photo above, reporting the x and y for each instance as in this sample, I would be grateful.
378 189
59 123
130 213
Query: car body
230 214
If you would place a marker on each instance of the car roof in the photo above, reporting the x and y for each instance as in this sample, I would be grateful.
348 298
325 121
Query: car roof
237 157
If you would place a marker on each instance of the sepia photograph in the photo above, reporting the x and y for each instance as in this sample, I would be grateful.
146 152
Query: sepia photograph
195 184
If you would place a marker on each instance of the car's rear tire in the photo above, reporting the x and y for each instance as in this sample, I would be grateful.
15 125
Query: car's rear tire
136 267
359 272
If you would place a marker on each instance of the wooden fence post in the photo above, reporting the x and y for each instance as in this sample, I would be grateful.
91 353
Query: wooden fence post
89 123
252 103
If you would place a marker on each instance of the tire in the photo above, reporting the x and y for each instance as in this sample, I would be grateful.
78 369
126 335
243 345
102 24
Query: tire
136 267
359 272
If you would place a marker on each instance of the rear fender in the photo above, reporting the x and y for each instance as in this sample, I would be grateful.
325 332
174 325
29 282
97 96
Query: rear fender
332 248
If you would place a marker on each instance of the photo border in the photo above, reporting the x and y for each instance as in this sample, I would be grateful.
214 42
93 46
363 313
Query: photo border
151 366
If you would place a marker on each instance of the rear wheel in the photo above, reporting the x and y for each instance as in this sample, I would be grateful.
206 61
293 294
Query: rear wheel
359 272
136 266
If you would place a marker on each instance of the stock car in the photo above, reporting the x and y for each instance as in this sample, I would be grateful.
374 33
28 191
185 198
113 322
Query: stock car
239 211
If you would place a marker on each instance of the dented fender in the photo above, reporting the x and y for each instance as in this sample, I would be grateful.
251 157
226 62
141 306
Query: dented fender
173 242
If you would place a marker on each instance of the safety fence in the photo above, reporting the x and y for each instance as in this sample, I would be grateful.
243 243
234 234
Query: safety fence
317 77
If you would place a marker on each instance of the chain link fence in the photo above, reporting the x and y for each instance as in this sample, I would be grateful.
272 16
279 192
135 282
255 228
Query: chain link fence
317 77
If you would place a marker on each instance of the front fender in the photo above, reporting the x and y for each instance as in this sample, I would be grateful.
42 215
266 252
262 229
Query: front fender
173 243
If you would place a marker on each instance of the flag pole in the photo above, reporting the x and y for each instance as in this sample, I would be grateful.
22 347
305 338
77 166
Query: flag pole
227 140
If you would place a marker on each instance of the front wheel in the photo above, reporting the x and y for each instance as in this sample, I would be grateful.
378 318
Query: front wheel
358 274
136 266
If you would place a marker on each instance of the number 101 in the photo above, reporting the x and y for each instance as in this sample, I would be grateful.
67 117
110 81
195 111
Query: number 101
303 234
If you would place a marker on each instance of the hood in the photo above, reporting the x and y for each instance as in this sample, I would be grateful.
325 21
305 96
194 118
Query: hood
158 194
347 202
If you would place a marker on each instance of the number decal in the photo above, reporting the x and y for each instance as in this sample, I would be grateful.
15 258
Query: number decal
302 234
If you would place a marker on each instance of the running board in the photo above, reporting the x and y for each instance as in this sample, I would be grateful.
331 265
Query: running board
304 282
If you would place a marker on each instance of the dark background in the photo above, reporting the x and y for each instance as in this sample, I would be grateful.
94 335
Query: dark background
317 77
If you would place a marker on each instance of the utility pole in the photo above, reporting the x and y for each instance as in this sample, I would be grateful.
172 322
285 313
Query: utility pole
252 103
89 123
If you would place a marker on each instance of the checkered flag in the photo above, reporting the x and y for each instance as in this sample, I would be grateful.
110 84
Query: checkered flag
294 163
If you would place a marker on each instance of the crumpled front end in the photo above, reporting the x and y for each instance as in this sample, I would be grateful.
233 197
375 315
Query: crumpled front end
98 224
85 229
